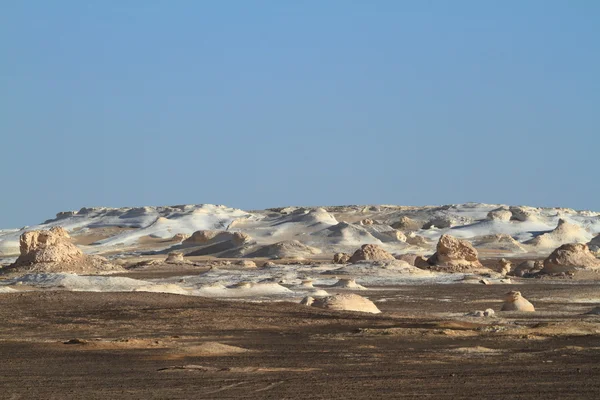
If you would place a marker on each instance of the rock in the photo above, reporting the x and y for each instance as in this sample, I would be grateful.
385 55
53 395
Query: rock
500 214
416 240
341 258
175 257
246 264
407 224
348 283
307 301
564 233
570 257
366 221
499 241
485 282
481 314
269 264
180 237
523 213
526 268
409 258
346 302
201 237
457 254
422 262
397 235
308 283
505 266
370 252
51 251
514 301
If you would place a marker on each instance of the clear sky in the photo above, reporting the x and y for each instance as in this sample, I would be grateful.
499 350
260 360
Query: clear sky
257 104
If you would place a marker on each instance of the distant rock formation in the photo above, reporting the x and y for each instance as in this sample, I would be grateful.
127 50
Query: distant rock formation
514 301
51 251
346 302
526 268
370 252
564 233
500 214
505 266
500 241
456 254
407 224
570 257
285 249
341 258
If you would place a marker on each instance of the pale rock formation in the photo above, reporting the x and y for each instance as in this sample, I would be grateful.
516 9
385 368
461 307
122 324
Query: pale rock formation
505 266
175 257
564 233
346 302
370 252
367 221
246 264
500 214
523 213
52 251
488 313
514 301
456 254
307 301
570 257
307 283
407 224
341 258
348 283
526 268
500 241
397 235
417 240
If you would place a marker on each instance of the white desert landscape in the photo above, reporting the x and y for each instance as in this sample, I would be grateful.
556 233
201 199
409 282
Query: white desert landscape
483 281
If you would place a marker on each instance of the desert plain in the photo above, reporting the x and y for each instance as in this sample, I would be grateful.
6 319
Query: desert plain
203 301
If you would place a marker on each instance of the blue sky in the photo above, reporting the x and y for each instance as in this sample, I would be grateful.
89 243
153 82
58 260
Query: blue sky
257 104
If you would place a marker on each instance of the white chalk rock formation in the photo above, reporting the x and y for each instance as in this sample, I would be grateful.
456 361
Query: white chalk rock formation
341 258
457 254
175 257
500 214
564 233
348 283
370 252
570 257
52 251
514 301
346 302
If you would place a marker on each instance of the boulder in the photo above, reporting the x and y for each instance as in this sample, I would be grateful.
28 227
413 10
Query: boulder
514 301
341 258
455 253
407 224
175 257
346 302
370 252
570 257
246 264
504 266
417 240
500 214
51 251
366 221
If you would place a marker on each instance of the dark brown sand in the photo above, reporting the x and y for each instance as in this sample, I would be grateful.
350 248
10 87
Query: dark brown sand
159 346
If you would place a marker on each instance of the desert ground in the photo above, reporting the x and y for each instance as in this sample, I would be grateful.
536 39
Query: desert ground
351 302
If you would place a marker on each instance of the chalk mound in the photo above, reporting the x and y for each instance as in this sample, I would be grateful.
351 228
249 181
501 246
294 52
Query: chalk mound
505 266
524 213
341 258
207 237
417 240
348 283
246 264
48 251
285 249
564 233
346 302
175 257
370 252
501 241
73 282
526 268
500 214
455 254
570 257
514 301
407 224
